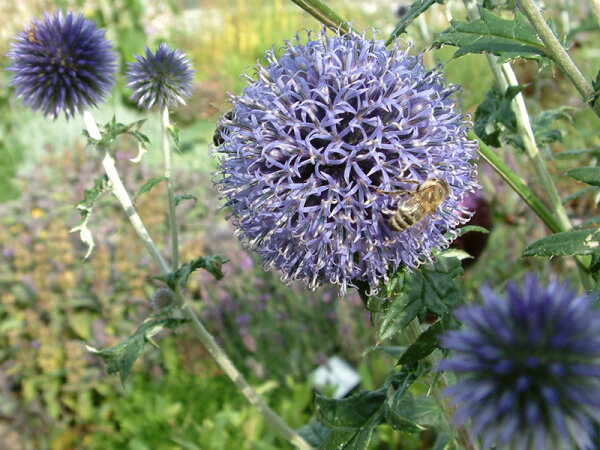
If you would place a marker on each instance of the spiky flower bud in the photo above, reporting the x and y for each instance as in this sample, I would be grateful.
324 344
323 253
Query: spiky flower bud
328 144
161 299
62 63
528 367
163 78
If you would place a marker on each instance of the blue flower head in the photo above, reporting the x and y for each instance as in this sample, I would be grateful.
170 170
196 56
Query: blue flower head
62 63
327 143
163 78
528 367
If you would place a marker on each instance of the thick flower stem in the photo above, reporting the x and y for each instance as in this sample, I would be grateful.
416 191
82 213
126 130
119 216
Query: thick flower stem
119 190
505 77
164 115
596 8
323 14
531 199
558 54
463 433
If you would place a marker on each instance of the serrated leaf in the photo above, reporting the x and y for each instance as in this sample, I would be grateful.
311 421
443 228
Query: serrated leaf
314 433
85 207
541 126
351 420
426 343
471 229
495 110
212 264
431 288
397 385
589 175
575 242
174 133
505 38
181 197
112 129
579 193
595 265
120 358
148 186
577 153
417 8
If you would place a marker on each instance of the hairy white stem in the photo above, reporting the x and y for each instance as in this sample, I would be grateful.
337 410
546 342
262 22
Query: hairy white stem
219 355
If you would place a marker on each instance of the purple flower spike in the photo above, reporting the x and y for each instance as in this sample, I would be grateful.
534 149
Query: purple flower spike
528 367
314 148
62 63
163 78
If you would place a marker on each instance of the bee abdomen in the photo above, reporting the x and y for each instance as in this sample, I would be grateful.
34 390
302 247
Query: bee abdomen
401 222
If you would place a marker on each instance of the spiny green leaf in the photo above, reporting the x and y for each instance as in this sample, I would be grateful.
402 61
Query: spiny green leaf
85 207
431 288
120 358
592 222
595 265
351 420
575 242
417 8
314 433
496 109
398 420
181 197
589 175
212 264
112 129
542 127
579 193
148 185
426 343
471 229
578 153
505 38
174 133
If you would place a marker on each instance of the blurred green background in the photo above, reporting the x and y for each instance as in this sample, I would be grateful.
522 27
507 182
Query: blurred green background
53 393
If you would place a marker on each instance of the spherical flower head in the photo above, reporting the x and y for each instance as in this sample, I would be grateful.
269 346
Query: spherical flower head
328 143
62 63
528 367
163 78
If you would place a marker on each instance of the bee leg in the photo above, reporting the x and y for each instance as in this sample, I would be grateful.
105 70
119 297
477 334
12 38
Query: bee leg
398 192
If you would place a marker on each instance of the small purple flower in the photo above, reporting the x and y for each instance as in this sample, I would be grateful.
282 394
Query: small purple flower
163 78
313 148
62 63
528 367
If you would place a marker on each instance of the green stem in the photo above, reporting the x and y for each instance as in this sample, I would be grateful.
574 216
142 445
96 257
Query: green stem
505 77
119 190
517 185
324 14
170 187
531 200
558 53
463 433
596 8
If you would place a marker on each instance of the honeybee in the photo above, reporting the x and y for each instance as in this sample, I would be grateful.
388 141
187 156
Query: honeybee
217 138
31 35
419 204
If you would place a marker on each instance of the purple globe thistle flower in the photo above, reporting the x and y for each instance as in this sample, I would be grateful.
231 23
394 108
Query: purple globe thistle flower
528 367
314 148
163 78
62 63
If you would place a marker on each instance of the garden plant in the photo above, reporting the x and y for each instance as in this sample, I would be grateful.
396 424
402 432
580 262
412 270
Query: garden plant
346 166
